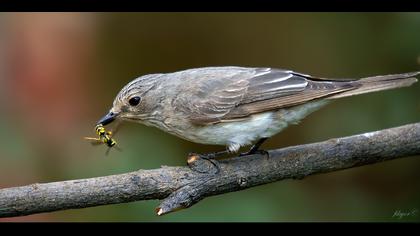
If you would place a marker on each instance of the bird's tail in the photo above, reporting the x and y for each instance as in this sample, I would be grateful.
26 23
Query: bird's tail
379 83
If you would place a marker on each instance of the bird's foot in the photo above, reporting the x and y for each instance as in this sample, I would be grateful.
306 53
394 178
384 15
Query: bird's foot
255 149
203 163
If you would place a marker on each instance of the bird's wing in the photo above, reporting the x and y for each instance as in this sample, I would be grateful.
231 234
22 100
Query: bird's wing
230 94
208 94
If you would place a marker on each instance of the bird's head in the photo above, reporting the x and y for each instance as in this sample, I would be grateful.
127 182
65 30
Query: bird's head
133 102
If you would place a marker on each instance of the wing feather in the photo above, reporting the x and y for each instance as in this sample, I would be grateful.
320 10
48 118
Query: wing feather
230 93
282 101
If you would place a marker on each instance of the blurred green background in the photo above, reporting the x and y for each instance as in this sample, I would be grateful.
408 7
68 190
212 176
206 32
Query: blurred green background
59 73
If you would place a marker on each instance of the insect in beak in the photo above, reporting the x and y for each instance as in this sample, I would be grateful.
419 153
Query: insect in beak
104 137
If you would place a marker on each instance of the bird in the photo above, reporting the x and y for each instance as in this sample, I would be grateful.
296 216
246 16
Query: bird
235 106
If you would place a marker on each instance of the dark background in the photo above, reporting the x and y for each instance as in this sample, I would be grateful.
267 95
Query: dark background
59 73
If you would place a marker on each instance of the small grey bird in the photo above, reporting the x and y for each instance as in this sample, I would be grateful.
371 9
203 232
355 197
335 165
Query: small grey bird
235 106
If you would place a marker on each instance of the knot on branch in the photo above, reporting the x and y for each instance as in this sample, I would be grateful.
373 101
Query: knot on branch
242 182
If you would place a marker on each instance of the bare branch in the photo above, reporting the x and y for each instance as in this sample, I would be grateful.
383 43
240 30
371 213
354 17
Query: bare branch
181 187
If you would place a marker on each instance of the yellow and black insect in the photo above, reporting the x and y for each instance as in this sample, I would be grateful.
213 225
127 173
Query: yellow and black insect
104 137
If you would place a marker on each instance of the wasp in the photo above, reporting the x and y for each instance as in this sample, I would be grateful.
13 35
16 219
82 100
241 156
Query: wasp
104 137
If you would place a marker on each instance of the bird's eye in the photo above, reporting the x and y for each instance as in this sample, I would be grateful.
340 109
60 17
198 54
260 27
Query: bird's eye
134 101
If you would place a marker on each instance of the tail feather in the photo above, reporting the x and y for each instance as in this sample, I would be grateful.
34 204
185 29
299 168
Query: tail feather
379 83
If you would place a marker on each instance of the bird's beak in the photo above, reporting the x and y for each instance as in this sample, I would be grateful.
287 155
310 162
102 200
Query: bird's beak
108 118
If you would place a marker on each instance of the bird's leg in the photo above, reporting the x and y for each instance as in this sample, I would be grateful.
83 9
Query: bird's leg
255 149
211 155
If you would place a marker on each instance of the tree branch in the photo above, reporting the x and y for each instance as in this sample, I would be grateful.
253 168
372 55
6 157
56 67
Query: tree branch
181 187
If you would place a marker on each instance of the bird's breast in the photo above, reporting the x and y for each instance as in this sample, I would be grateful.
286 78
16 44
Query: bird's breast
243 131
